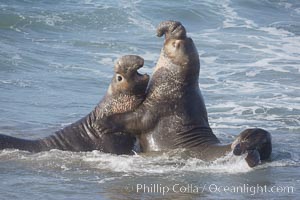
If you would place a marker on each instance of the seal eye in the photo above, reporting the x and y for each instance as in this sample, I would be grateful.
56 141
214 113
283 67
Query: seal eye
119 78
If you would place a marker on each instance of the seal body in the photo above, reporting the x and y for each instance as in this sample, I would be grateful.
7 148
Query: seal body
126 91
173 114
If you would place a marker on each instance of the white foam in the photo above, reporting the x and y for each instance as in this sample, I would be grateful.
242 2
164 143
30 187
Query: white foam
141 165
18 83
209 60
145 163
104 180
229 164
106 61
251 73
50 20
232 18
136 16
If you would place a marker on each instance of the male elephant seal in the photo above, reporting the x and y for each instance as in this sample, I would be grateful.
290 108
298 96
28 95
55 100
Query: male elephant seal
173 114
126 91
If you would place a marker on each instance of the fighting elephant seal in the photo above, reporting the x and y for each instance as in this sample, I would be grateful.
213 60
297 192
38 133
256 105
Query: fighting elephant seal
126 91
173 114
257 143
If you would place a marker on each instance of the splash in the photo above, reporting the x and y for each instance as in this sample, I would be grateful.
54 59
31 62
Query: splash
143 164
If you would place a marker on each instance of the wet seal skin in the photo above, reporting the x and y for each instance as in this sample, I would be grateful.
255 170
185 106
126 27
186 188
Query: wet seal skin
257 143
173 114
126 92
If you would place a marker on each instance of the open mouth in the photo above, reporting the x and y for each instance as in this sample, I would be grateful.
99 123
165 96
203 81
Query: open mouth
139 75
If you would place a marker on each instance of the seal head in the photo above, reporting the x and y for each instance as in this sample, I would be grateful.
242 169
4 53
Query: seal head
179 55
127 80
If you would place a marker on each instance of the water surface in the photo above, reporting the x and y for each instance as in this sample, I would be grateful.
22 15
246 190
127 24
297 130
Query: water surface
56 62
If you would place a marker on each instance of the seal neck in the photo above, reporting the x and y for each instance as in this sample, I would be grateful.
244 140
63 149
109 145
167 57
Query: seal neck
171 81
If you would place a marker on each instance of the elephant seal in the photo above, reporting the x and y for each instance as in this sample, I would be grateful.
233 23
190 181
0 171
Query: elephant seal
257 143
126 91
173 114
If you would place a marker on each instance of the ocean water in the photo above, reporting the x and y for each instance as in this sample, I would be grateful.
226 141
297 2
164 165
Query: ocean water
56 62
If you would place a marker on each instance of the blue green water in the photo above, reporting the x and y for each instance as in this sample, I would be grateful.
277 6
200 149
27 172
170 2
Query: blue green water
56 62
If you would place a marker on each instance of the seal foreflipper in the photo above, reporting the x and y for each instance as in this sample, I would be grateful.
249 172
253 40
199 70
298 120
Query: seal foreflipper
256 142
253 158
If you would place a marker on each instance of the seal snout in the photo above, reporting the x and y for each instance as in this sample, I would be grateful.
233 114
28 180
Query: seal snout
171 29
129 63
